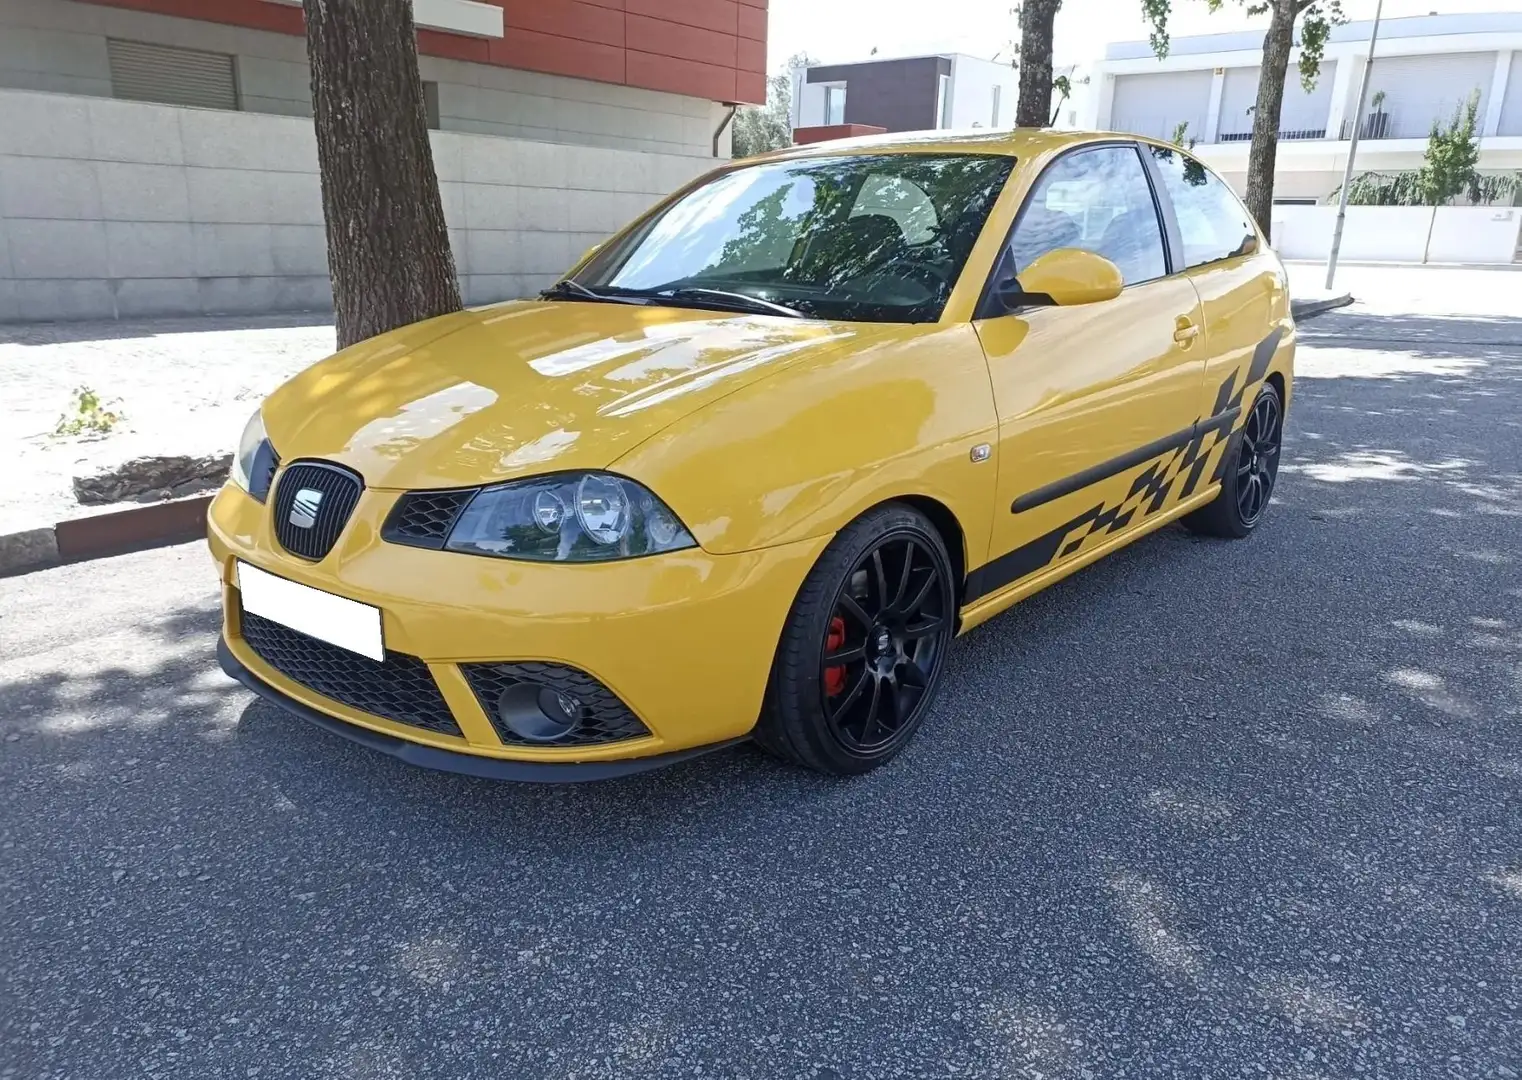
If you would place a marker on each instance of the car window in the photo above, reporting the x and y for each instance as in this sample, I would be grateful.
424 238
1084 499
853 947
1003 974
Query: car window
1098 200
868 237
1211 219
902 200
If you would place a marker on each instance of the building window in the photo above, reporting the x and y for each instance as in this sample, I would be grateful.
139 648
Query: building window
431 103
943 103
834 104
171 75
998 93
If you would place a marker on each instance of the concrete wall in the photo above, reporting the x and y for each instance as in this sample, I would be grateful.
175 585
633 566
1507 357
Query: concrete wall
116 208
60 45
1459 234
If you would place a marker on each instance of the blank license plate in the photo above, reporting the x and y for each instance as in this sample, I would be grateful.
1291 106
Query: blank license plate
334 619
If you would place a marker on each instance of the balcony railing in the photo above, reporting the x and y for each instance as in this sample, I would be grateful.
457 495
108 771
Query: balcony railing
1375 126
1300 134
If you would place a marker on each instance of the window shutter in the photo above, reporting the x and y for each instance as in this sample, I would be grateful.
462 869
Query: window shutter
174 76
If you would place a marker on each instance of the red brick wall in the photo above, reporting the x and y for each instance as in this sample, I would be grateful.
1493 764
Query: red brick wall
713 49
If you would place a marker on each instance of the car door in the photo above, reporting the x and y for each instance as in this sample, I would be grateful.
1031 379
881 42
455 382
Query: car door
1239 281
1097 402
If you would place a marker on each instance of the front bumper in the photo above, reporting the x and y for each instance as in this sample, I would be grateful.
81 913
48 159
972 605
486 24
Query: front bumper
430 757
684 640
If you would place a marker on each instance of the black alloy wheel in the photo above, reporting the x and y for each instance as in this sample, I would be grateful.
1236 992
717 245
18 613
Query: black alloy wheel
884 643
1258 457
1251 470
864 646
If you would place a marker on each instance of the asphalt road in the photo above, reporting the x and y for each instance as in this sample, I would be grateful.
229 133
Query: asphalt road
1207 809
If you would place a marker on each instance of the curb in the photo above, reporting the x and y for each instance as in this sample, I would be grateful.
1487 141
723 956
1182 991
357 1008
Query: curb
1304 309
99 535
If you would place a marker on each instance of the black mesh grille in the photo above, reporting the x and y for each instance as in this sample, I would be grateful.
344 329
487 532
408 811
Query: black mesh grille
400 689
604 718
302 529
424 518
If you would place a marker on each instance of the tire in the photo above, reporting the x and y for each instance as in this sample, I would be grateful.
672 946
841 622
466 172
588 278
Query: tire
1251 472
889 627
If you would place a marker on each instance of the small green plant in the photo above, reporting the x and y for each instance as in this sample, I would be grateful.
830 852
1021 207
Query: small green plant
87 415
1180 133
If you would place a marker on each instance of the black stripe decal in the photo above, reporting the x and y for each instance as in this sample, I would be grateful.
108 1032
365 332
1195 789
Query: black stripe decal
1263 355
1103 471
1153 485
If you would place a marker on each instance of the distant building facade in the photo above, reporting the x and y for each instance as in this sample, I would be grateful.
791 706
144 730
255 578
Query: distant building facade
914 93
1424 68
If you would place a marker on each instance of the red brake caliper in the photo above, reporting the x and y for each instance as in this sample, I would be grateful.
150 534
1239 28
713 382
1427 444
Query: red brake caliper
835 677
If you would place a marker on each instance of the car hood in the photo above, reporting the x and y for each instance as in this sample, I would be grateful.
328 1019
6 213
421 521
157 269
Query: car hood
525 388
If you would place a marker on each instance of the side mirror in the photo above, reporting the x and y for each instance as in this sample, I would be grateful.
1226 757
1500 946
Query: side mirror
1070 276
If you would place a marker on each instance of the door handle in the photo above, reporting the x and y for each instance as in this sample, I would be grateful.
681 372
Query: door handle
1184 331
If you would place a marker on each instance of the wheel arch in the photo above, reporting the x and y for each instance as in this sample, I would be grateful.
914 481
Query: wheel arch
952 535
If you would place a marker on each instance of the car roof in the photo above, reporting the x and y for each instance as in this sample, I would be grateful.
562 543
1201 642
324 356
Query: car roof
1019 142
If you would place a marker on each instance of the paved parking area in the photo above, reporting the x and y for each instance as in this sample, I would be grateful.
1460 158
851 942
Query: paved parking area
1206 809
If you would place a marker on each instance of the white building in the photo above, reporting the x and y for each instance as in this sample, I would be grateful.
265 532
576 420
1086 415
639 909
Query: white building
1424 68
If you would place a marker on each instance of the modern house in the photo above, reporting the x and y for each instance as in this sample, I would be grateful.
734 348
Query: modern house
156 156
914 93
1423 69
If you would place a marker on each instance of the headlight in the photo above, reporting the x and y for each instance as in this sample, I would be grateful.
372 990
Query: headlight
254 463
570 517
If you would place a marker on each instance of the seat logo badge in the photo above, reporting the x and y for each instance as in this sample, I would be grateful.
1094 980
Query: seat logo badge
304 508
980 452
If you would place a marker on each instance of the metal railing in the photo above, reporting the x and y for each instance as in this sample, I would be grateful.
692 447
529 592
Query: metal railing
1375 126
1297 134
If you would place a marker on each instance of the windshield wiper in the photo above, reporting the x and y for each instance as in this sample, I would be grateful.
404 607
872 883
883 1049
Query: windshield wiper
733 299
566 287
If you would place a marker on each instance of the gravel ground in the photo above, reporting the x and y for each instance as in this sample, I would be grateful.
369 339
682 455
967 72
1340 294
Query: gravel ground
1207 809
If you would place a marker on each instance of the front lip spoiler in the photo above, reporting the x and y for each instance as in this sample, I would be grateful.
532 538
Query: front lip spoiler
431 757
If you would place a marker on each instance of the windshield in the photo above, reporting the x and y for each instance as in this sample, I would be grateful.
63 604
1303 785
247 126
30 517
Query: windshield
879 238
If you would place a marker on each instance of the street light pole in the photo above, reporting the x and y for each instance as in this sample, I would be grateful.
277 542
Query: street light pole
1347 173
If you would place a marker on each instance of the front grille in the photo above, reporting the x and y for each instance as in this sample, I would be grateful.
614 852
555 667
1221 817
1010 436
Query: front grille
401 688
603 717
424 518
307 530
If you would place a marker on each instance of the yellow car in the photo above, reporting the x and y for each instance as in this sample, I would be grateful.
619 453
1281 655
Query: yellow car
749 469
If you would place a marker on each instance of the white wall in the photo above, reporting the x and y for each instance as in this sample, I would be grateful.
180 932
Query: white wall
117 208
1459 234
972 93
808 103
60 45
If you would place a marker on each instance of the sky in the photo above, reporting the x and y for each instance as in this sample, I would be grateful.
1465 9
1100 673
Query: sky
845 30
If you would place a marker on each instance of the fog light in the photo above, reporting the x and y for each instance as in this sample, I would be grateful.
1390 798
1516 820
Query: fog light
539 713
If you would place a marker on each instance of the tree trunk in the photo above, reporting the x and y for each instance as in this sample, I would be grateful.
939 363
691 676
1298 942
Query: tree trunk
388 247
1264 154
1036 19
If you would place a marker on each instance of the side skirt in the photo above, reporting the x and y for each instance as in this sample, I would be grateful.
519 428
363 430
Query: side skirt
980 611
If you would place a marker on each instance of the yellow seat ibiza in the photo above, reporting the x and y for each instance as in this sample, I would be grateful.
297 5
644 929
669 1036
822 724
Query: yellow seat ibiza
756 461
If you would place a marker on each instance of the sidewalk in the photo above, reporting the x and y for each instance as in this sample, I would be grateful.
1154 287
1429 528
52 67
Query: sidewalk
1404 290
184 386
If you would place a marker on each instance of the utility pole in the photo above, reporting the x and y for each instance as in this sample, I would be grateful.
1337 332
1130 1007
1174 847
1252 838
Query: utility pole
1347 173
